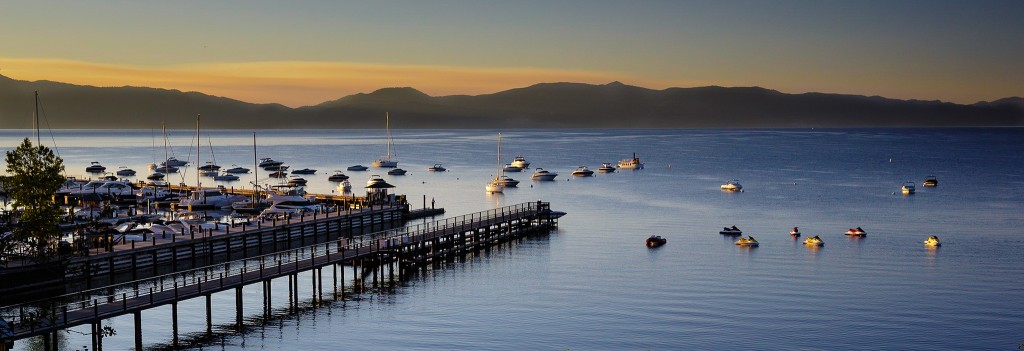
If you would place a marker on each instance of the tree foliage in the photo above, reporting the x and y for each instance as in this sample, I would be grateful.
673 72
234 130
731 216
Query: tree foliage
34 175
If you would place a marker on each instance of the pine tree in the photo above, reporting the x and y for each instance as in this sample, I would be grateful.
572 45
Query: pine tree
34 176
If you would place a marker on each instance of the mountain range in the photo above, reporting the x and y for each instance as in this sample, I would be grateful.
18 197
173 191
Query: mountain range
545 105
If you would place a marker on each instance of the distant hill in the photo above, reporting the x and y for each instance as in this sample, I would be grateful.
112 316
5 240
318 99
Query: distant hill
546 105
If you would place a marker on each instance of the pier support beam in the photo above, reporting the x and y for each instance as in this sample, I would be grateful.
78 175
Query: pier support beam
174 324
209 316
138 330
238 308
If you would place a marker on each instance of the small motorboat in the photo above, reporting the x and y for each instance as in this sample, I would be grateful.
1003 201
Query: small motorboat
174 162
749 241
732 185
542 174
510 168
436 168
279 174
276 168
125 171
494 186
655 241
631 163
814 241
507 182
930 181
908 188
296 180
358 168
166 169
855 232
268 162
932 241
582 171
209 173
374 179
521 162
731 231
344 186
795 232
337 177
304 171
606 168
155 176
396 171
226 177
237 170
95 167
209 166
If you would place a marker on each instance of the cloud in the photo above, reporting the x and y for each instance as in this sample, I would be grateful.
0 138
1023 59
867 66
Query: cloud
299 83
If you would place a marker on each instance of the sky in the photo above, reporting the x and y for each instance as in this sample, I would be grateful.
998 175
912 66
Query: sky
306 52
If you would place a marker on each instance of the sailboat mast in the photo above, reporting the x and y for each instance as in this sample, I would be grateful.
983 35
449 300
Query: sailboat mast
256 170
500 170
163 129
198 146
387 128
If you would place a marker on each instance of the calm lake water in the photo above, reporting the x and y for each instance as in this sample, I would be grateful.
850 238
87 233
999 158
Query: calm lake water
593 285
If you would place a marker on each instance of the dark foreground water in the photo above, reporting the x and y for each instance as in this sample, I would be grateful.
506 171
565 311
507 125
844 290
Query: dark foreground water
592 285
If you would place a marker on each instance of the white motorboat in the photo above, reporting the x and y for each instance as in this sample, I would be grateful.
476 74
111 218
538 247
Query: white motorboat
606 168
510 168
357 168
732 185
226 177
374 179
543 174
237 170
337 177
344 187
72 186
795 232
749 241
109 189
209 173
304 171
215 198
171 161
521 162
494 186
95 167
631 163
507 182
155 176
814 241
932 241
209 166
731 231
908 188
166 169
436 168
269 162
582 171
288 205
296 180
386 161
396 171
124 171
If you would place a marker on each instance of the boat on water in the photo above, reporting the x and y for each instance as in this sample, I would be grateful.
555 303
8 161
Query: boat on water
171 161
507 182
543 174
225 177
124 171
279 174
732 185
582 171
855 232
795 232
337 176
932 241
155 176
304 171
344 187
655 241
276 168
95 167
437 167
209 166
814 241
396 171
209 173
495 185
521 162
108 190
374 180
237 170
908 188
606 168
510 168
215 198
930 181
357 168
166 169
386 161
730 231
269 162
296 180
631 163
749 241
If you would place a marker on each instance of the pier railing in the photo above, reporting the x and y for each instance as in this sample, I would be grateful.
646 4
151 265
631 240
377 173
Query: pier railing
88 305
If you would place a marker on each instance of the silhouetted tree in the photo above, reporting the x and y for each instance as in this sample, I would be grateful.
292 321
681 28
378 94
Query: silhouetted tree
34 176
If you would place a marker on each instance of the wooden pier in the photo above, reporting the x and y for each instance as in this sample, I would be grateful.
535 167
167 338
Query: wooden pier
407 247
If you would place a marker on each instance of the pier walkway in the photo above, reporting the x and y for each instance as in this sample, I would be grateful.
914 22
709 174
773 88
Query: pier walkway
407 246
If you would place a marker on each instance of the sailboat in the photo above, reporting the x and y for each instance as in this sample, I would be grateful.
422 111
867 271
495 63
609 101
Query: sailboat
495 186
167 166
385 161
210 168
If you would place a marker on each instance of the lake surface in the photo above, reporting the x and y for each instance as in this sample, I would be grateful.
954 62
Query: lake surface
593 285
